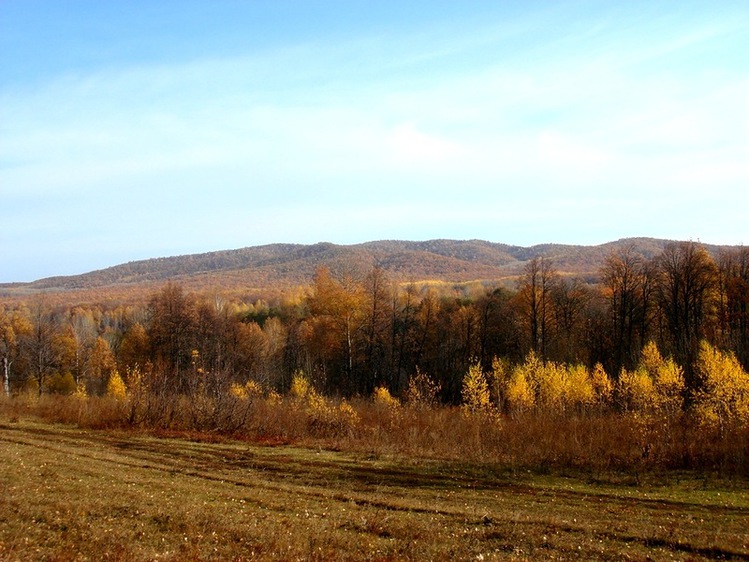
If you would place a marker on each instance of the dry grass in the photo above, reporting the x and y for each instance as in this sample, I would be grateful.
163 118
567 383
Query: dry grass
590 442
74 494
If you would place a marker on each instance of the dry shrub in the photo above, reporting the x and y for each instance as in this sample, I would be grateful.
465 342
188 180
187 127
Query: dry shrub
570 431
421 391
251 390
383 399
603 388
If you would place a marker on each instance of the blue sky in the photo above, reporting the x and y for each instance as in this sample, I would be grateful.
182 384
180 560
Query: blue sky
141 129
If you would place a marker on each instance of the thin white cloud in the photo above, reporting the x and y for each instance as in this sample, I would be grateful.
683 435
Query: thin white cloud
504 122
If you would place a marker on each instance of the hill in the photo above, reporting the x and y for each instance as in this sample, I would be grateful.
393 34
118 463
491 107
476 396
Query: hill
280 266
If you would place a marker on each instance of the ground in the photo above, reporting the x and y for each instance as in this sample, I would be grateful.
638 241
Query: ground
71 494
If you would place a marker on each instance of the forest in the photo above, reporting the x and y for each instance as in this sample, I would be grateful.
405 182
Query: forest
352 335
543 374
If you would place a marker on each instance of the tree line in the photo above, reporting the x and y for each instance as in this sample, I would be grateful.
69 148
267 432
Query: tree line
350 336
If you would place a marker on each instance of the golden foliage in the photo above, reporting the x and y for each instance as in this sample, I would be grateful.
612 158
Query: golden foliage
548 383
578 388
475 391
382 398
519 394
300 385
655 386
603 388
635 390
116 387
498 379
669 386
247 391
724 395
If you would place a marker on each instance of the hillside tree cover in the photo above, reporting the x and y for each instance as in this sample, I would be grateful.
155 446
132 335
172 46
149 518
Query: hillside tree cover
351 335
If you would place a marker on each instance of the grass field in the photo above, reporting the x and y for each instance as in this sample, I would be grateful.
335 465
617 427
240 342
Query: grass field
72 494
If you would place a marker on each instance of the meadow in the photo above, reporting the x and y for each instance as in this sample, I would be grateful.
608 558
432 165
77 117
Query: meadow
74 494
405 484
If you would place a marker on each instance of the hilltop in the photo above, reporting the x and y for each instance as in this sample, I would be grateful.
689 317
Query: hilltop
280 266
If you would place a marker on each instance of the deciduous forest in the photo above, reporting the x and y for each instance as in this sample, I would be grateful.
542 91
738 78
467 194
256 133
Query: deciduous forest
659 339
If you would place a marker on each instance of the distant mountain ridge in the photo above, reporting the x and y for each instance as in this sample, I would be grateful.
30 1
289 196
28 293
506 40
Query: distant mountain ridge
284 265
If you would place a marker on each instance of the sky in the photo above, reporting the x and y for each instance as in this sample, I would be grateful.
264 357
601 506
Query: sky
138 129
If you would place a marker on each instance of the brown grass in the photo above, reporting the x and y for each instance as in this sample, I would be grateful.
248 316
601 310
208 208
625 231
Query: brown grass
77 494
590 442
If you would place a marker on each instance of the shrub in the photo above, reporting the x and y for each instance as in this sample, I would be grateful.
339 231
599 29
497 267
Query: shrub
635 390
548 382
300 385
519 394
603 389
422 391
578 388
61 383
669 387
247 391
383 399
498 381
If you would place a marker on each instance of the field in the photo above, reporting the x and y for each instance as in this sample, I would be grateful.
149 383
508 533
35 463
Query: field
75 494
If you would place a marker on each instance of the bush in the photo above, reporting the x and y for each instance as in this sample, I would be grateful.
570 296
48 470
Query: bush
422 391
383 399
61 383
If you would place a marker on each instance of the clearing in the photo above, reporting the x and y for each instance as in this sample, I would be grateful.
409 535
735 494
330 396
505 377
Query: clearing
72 494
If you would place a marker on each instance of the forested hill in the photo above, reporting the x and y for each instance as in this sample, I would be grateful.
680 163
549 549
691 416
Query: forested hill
284 265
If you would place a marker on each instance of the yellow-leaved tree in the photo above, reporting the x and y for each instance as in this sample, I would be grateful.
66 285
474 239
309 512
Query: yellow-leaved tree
578 387
116 386
519 393
667 377
475 391
723 397
655 386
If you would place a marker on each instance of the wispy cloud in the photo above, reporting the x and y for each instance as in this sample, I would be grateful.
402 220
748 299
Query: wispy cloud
538 114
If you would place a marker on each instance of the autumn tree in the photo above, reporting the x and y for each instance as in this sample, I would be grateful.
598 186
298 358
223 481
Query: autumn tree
686 288
172 332
134 348
570 299
534 292
496 319
628 283
338 311
40 344
14 327
100 365
377 331
403 325
733 280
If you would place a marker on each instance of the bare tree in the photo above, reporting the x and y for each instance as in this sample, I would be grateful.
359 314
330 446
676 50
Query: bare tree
686 289
534 291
